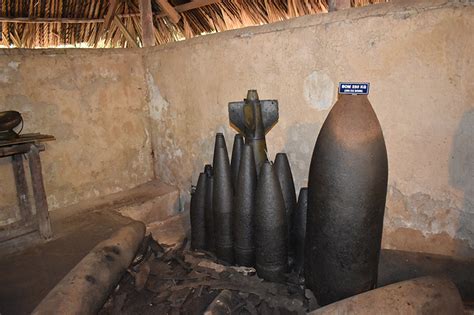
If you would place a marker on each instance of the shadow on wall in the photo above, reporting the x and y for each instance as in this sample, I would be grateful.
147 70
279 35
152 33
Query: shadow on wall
461 173
299 146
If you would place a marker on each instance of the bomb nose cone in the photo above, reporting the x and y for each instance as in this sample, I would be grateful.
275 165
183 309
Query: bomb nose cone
270 227
285 178
220 143
244 247
346 202
236 156
299 228
222 205
197 214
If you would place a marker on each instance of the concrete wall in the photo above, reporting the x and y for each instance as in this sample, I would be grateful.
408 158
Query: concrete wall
419 59
94 103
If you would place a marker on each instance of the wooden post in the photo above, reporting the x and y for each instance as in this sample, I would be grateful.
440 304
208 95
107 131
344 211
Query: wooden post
39 193
21 186
335 5
146 17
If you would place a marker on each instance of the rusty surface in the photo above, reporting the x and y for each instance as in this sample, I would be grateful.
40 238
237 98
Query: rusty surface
346 202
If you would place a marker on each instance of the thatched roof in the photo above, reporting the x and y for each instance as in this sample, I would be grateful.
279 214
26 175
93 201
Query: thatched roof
94 23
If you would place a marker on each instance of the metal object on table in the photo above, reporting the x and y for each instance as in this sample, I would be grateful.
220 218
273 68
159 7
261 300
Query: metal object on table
271 232
346 202
29 145
285 177
254 118
244 243
9 120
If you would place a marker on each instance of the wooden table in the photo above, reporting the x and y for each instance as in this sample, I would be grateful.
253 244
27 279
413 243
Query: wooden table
28 145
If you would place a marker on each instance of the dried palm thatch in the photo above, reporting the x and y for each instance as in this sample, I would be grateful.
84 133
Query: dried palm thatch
84 23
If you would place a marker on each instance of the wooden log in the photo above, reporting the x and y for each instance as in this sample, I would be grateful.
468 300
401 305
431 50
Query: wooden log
146 19
21 186
428 295
39 193
87 286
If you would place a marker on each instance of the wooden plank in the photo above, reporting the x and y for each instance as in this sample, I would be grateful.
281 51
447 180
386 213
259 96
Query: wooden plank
146 19
125 32
169 10
17 229
21 186
27 138
41 204
18 149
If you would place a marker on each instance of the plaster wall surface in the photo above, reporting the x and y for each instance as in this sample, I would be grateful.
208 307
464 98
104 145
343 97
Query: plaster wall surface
113 110
94 103
418 57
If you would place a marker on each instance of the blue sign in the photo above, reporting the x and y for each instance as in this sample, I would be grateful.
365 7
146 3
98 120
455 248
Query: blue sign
354 88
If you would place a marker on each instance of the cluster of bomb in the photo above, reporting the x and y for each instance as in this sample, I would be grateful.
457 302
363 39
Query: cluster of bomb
245 211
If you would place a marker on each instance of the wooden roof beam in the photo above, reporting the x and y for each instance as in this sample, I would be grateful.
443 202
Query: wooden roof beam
146 19
132 41
169 10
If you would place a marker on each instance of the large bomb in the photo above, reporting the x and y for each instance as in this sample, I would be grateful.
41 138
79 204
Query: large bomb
254 118
197 214
208 209
271 231
285 177
235 159
245 190
222 201
346 202
298 230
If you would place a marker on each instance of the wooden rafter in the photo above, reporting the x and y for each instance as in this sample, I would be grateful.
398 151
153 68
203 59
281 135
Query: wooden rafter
169 10
132 41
